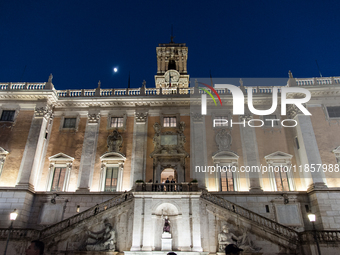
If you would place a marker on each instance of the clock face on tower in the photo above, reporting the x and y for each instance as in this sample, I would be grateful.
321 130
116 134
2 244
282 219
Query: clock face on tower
171 75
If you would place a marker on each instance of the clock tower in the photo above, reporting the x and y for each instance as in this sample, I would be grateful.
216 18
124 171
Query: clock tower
172 65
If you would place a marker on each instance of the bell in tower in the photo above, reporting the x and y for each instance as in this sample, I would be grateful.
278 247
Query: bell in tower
172 65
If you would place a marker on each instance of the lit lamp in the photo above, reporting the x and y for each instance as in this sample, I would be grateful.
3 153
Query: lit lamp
12 216
312 218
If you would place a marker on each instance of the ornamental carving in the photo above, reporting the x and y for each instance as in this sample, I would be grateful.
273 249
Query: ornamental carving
103 240
197 117
114 141
293 110
169 143
141 117
223 140
43 112
93 118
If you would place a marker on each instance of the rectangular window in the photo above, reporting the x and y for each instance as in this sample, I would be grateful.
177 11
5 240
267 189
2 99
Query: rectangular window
70 122
116 122
334 112
297 143
111 179
7 115
269 121
227 181
58 179
169 121
221 121
281 180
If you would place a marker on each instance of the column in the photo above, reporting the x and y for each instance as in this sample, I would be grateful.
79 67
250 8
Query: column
88 155
148 232
34 148
196 224
137 224
138 159
250 152
198 148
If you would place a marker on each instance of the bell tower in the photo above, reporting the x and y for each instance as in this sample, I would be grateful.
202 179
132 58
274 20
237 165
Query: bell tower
172 65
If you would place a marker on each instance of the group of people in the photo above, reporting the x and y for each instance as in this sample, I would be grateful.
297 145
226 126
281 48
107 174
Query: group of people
163 186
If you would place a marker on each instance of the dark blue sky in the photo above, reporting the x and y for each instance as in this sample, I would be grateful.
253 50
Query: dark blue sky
81 41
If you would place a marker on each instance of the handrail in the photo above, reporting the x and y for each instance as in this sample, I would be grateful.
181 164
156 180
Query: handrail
280 229
19 233
323 236
85 215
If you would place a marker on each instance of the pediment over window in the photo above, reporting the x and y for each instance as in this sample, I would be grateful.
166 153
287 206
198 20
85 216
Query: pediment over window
225 157
336 150
279 157
113 157
3 151
60 157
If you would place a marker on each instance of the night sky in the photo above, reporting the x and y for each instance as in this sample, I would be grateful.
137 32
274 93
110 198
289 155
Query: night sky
80 42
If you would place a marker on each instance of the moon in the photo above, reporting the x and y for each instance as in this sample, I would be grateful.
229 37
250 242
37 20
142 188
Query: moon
115 69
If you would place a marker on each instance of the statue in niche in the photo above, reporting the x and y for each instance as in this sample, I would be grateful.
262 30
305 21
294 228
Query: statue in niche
114 141
102 240
166 227
225 238
223 140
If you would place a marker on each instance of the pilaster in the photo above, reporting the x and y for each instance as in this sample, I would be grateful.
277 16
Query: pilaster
148 232
29 168
198 149
250 152
138 159
137 224
88 155
196 224
184 240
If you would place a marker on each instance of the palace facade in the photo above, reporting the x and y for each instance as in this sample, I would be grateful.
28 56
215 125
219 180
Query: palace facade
87 170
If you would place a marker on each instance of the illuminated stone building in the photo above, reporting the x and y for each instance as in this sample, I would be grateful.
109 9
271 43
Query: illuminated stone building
77 162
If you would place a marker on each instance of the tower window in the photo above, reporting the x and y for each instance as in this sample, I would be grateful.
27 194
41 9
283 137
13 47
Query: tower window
172 65
7 115
169 121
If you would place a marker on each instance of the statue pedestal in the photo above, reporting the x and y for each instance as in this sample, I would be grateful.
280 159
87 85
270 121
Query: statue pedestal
166 241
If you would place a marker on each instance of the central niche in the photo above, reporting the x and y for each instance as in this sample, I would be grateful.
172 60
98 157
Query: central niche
169 152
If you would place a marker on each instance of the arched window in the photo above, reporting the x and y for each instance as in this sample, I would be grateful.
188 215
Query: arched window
111 174
172 65
226 165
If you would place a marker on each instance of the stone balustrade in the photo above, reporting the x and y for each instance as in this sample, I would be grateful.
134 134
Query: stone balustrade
166 187
20 233
263 222
86 214
14 86
323 236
